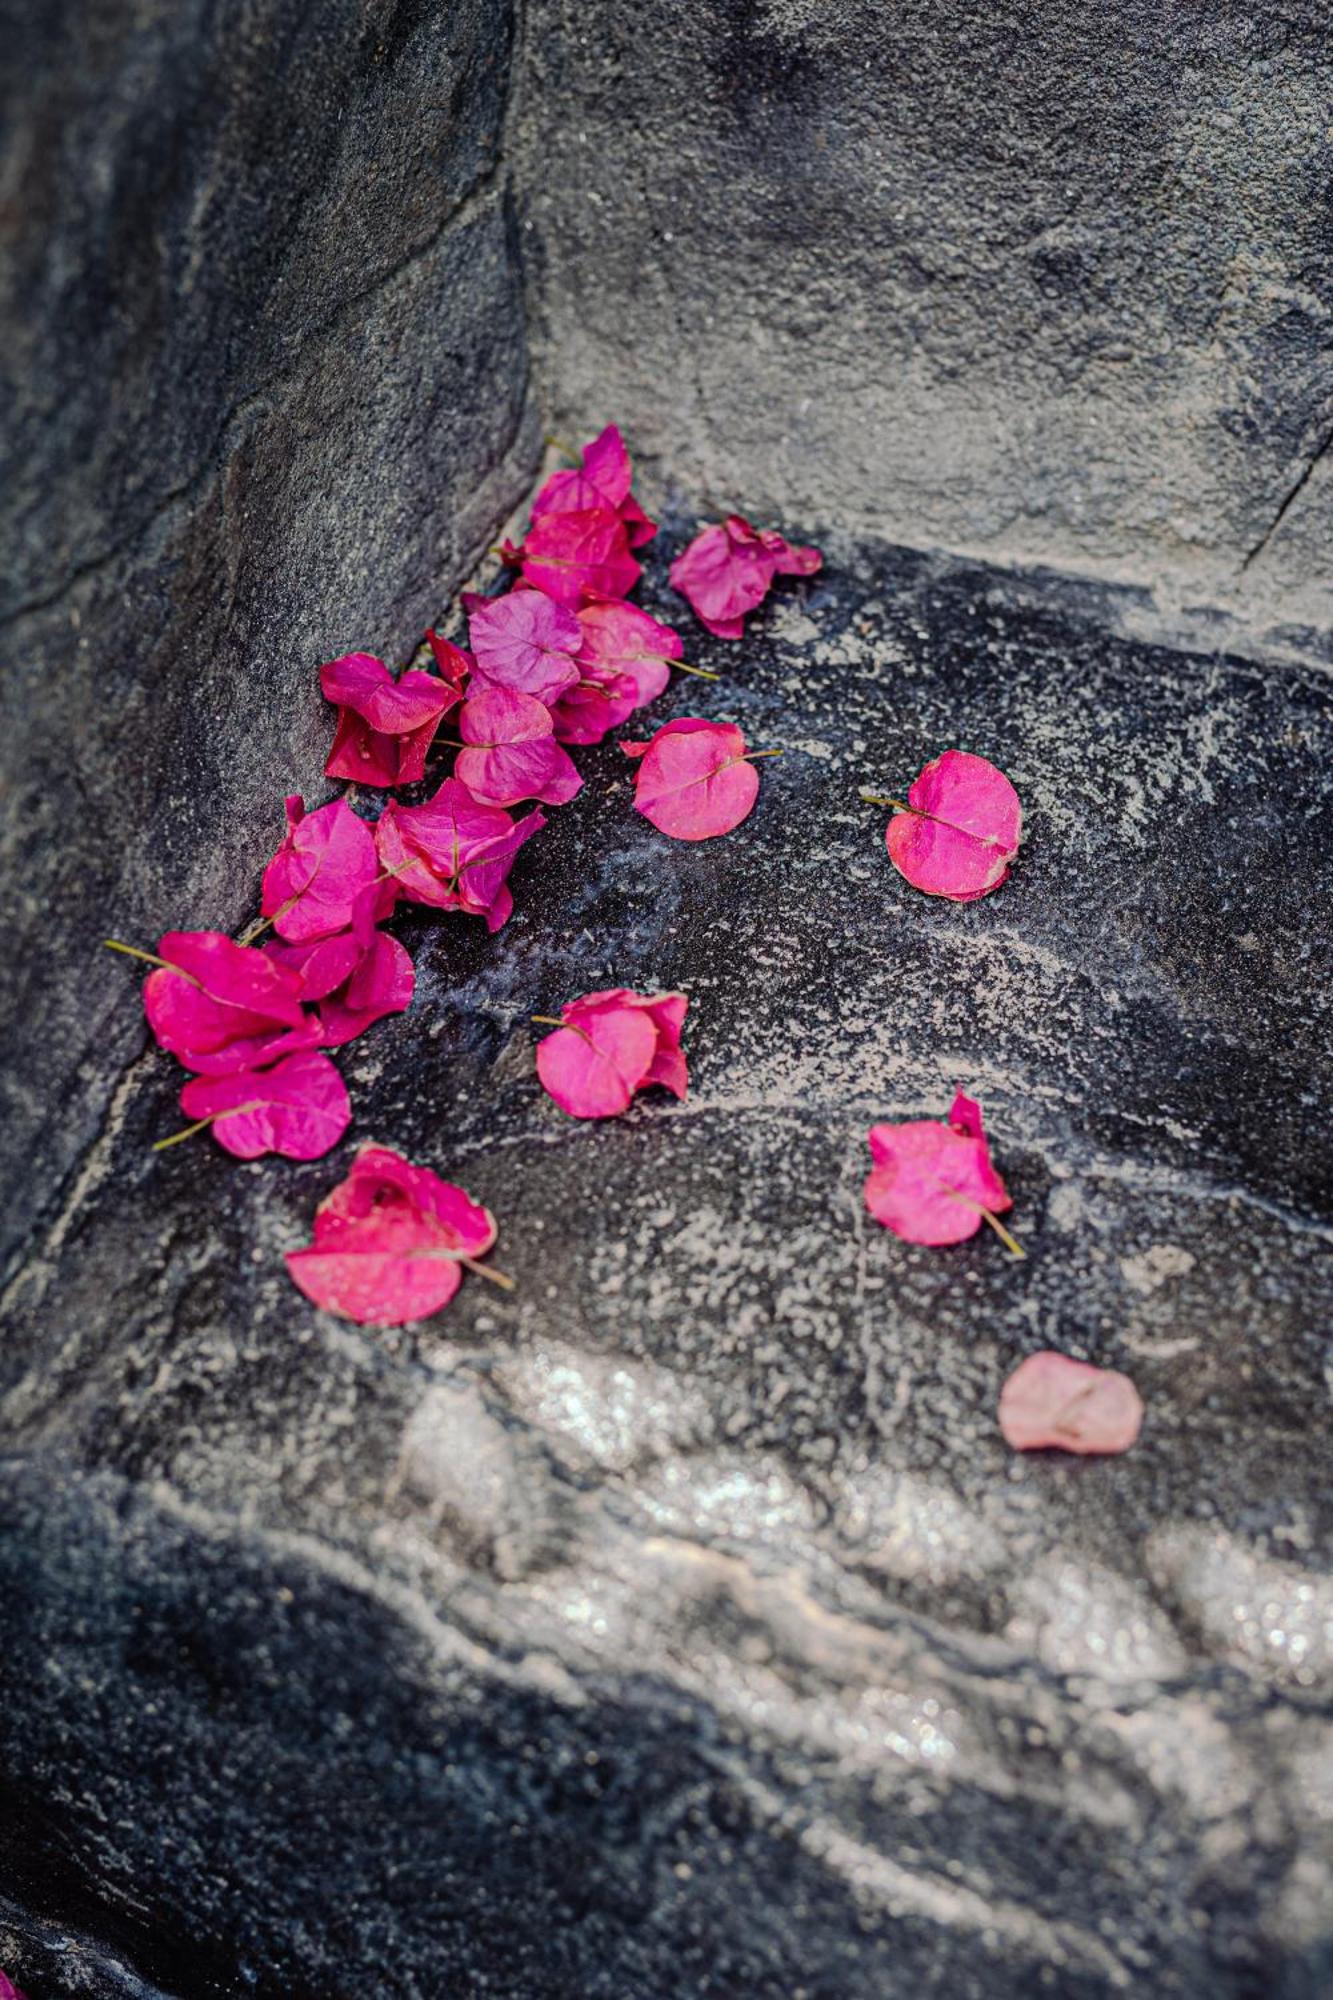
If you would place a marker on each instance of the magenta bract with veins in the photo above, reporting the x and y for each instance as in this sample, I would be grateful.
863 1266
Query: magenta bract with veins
566 556
387 1242
1051 1402
525 643
614 1043
693 780
299 1108
385 726
601 481
963 831
619 638
216 996
931 1182
728 569
511 753
453 853
312 883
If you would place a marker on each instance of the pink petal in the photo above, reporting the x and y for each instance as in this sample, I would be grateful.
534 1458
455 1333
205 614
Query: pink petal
620 639
512 753
299 1109
385 726
931 1182
789 558
454 664
567 555
593 1070
694 782
8 1990
314 879
224 993
249 1052
525 643
452 852
383 983
963 849
1052 1402
725 572
322 965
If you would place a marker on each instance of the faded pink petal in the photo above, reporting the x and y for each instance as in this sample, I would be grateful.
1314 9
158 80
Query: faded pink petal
727 570
385 726
1052 1402
525 643
512 753
620 639
790 558
693 781
963 831
387 1242
453 853
568 555
312 882
931 1182
215 993
299 1109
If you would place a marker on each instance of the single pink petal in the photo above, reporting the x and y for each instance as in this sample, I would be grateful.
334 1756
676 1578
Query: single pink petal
387 1242
316 875
299 1109
567 555
512 753
963 831
694 782
620 639
599 704
223 993
592 1069
1052 1402
666 1011
454 664
382 984
525 643
725 572
934 1183
322 965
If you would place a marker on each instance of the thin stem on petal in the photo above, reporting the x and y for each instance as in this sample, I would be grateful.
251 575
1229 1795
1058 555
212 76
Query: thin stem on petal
548 1021
160 1145
558 444
485 1271
1011 1243
874 799
684 667
750 755
148 957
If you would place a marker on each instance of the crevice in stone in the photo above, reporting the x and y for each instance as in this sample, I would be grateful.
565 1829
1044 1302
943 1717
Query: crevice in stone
1293 494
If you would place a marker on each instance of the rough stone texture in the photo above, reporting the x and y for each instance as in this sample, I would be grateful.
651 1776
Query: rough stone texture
265 383
678 1627
1052 284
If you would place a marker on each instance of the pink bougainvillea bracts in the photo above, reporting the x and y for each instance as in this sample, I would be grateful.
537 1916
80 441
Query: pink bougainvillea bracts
390 1242
510 752
298 1108
933 1182
218 1006
610 1044
959 829
525 643
602 480
695 779
566 556
312 883
385 726
1051 1402
728 570
453 853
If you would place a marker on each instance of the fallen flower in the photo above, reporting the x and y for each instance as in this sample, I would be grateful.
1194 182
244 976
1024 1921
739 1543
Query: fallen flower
453 853
602 480
696 778
525 643
299 1108
311 885
1051 1401
959 829
728 570
385 726
510 752
211 1000
934 1183
390 1242
568 555
618 638
610 1044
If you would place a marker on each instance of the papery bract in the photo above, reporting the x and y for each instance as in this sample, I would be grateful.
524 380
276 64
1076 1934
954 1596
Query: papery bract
385 726
728 568
525 643
693 781
453 853
1052 1402
620 639
595 1063
568 555
387 1242
382 982
963 831
322 965
603 480
454 663
600 703
299 1108
931 1182
314 879
214 995
511 753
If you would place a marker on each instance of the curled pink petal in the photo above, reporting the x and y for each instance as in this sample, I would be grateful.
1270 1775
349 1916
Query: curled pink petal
566 555
963 830
931 1182
299 1108
694 781
593 1066
382 983
1051 1402
453 853
728 568
312 882
214 994
601 481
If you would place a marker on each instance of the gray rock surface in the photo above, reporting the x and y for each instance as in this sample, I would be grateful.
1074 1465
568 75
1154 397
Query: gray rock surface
1044 283
678 1626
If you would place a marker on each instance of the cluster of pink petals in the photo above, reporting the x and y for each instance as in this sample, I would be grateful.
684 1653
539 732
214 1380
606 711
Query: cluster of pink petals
694 780
602 481
613 1044
728 570
962 830
933 1182
1053 1403
385 726
389 1242
453 853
